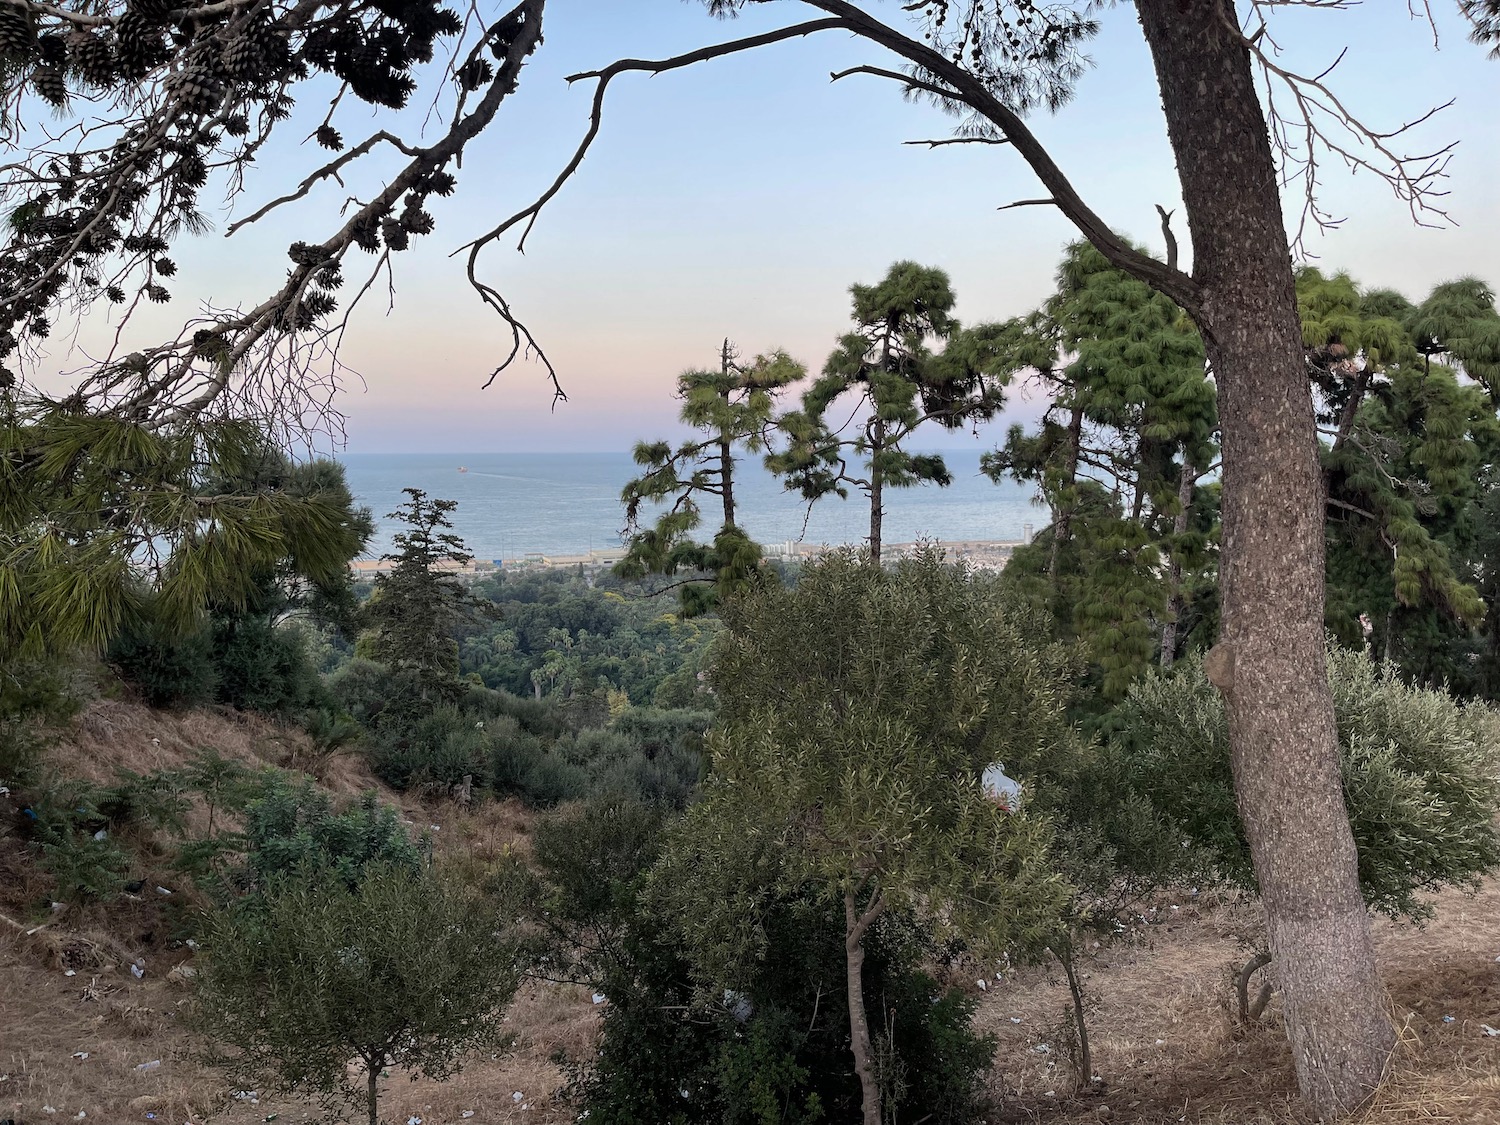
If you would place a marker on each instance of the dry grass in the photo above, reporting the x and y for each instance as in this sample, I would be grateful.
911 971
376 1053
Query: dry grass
1163 1041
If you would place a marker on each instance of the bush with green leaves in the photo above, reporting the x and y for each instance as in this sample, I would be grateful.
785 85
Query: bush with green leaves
399 968
774 1049
858 712
298 827
1421 776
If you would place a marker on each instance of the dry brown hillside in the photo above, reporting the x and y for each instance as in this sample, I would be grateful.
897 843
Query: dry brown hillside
79 1033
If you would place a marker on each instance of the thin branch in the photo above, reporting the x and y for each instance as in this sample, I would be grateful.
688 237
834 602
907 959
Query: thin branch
960 141
1028 203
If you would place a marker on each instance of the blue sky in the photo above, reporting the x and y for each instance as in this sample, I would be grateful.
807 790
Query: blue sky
741 197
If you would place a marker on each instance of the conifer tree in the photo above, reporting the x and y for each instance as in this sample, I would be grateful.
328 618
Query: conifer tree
733 409
415 608
891 381
1129 431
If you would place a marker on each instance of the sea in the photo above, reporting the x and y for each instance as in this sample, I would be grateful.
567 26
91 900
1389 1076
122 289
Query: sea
515 504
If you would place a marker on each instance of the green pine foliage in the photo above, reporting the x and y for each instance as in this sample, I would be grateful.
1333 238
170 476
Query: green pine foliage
732 408
1420 776
100 515
887 380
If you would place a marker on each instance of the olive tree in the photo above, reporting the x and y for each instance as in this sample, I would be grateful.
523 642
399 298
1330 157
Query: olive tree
859 711
397 970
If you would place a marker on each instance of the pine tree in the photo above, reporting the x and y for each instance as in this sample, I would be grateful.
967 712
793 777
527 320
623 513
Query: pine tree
886 373
415 609
733 408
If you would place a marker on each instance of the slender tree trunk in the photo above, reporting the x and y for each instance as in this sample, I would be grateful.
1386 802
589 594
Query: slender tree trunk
1174 577
1062 522
859 1024
372 1091
1269 663
726 442
877 488
1075 988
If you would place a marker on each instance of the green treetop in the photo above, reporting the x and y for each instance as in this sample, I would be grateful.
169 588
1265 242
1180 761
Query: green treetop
732 408
888 379
416 608
858 778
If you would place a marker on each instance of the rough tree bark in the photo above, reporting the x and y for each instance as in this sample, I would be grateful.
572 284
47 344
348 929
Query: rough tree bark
1269 662
726 442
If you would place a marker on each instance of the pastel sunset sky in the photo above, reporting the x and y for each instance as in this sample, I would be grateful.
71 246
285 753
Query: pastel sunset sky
742 197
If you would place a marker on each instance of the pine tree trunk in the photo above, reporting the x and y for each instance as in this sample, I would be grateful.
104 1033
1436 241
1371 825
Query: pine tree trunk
1062 522
1174 577
877 489
726 478
859 1024
1269 662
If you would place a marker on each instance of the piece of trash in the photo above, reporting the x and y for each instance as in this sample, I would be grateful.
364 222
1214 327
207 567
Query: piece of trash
102 834
80 1115
191 944
437 827
598 998
1015 1019
466 1114
244 1095
70 972
48 1109
1450 1019
1050 1094
152 1065
272 1116
137 972
162 891
1161 1042
413 1120
517 1096
983 984
1488 1030
1042 1049
80 1054
59 906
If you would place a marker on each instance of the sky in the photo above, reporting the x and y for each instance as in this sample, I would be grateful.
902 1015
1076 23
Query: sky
743 196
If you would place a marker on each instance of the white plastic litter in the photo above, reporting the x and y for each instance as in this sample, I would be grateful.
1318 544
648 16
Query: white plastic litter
1015 1019
1450 1019
80 1054
517 1096
48 1109
102 834
137 972
162 891
983 984
1161 1042
466 1114
245 1095
413 1120
152 1065
80 1115
1488 1030
598 998
1042 1049
70 972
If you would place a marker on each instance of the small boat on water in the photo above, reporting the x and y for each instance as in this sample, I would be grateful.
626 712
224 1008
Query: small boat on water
462 469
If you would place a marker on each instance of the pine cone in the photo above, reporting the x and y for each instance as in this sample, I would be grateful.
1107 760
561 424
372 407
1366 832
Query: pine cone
395 234
17 36
52 49
416 220
245 57
50 84
195 90
93 57
154 11
140 46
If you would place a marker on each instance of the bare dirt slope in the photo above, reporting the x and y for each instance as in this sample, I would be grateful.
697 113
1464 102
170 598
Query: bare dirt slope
79 1033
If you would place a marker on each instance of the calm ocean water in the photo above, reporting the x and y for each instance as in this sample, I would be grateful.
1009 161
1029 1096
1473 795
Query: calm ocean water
512 504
